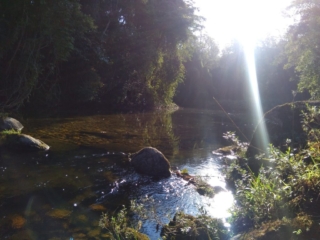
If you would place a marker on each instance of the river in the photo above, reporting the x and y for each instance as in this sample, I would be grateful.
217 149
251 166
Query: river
61 193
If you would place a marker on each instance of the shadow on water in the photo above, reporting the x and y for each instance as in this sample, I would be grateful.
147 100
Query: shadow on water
61 193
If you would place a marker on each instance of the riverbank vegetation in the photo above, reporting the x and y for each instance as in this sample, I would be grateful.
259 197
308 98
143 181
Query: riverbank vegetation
281 199
112 55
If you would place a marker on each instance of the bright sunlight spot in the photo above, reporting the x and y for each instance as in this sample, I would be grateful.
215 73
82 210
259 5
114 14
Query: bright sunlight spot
245 21
222 202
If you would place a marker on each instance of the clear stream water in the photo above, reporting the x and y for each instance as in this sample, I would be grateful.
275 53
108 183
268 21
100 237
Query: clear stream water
61 193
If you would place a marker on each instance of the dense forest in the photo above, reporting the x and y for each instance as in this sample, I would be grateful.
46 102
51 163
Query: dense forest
144 54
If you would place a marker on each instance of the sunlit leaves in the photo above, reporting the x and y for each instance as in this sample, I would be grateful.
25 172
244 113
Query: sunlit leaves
303 45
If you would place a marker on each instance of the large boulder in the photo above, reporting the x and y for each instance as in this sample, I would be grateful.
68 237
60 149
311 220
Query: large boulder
25 142
152 162
8 123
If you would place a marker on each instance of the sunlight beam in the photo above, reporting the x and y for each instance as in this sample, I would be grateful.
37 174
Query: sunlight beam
256 101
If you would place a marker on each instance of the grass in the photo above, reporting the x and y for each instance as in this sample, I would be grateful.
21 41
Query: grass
286 189
118 227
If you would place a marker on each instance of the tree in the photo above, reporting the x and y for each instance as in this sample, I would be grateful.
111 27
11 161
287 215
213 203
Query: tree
303 47
64 51
36 37
143 44
276 83
197 88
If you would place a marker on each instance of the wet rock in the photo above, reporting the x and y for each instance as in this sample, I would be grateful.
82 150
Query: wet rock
228 150
187 227
152 162
8 123
201 186
25 142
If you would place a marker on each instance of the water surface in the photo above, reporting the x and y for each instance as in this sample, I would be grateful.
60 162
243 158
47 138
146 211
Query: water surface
61 193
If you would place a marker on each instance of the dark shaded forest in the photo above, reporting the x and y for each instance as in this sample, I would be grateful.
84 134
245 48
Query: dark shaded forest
144 54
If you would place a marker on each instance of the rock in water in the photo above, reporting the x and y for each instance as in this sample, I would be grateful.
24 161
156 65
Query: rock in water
25 142
8 123
152 162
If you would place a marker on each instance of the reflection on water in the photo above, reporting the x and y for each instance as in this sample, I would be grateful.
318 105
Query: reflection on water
61 193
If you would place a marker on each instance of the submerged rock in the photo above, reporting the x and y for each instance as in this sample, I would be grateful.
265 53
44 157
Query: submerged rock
18 221
59 213
98 207
8 123
25 142
152 162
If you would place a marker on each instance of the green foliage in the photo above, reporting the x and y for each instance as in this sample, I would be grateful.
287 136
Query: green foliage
185 226
197 88
55 51
36 37
146 50
311 123
286 187
118 227
302 47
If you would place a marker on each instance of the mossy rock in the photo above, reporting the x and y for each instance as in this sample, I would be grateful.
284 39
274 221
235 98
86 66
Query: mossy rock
187 227
227 150
201 186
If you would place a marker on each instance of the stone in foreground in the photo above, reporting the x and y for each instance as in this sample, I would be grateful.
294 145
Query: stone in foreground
25 142
152 162
8 123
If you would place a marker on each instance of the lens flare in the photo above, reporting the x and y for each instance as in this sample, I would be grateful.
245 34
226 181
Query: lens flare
248 48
